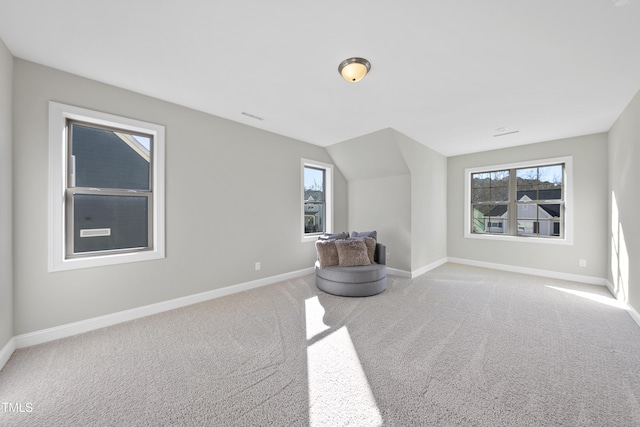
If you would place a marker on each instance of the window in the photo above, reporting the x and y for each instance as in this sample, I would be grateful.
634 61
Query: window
106 189
490 201
528 200
317 200
540 200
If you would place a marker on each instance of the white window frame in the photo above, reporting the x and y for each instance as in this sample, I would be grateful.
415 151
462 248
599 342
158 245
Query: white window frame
567 239
328 176
59 114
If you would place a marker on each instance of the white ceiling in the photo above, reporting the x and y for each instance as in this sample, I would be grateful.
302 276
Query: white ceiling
446 73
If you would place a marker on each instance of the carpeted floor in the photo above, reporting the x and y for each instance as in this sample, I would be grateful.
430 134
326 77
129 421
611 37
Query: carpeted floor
458 346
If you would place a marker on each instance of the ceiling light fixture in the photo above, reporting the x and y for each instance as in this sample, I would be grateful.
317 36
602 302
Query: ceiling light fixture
354 69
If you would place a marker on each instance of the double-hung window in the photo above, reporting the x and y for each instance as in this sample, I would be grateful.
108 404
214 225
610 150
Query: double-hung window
526 200
317 199
106 189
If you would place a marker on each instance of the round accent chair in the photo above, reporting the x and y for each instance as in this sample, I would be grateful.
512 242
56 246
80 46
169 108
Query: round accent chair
352 267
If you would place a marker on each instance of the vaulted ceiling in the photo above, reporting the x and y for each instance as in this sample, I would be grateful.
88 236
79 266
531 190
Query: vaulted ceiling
458 76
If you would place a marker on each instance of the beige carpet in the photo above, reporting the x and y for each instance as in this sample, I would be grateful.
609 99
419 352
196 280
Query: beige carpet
457 346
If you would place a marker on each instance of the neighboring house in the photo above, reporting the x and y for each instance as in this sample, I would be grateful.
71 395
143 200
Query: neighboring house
109 160
313 211
538 219
534 218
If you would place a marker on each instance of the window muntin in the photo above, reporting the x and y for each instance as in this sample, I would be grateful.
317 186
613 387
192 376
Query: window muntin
317 199
536 204
106 189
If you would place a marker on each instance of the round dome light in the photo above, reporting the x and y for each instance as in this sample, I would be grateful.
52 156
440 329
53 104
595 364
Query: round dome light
354 69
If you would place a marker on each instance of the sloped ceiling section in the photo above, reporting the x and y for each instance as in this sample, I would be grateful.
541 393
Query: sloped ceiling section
376 155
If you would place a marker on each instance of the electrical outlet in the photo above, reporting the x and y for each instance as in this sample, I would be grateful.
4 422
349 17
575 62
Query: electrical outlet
388 255
257 265
582 263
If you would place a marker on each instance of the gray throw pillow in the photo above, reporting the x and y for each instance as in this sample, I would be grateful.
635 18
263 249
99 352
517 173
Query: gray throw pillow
327 253
352 253
373 234
371 248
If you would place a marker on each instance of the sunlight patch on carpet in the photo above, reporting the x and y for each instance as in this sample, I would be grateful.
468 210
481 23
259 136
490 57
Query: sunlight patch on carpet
339 393
314 313
602 299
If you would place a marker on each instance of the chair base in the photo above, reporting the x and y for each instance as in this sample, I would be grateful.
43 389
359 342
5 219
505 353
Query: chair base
351 289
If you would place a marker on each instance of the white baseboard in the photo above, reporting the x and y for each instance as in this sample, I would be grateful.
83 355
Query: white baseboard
415 273
634 314
620 297
613 291
532 271
398 272
6 352
427 268
62 331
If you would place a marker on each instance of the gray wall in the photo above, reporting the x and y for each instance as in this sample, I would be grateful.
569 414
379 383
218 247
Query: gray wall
233 197
397 187
428 202
590 209
384 204
379 191
623 227
6 203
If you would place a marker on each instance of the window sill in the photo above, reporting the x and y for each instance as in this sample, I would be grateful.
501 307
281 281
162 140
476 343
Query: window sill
104 260
311 237
519 239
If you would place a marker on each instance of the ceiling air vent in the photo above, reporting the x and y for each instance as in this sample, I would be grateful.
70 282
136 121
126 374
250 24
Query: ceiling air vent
507 133
253 116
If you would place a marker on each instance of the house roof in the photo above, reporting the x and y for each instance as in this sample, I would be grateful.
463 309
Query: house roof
313 195
498 210
553 209
457 76
106 159
540 194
